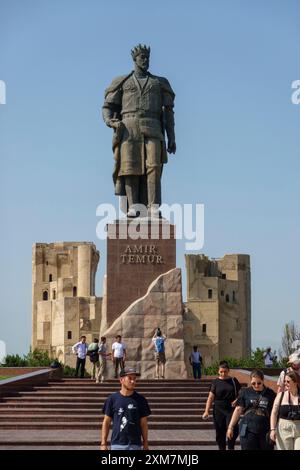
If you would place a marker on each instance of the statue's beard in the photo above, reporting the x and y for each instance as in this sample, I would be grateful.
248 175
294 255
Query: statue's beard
143 68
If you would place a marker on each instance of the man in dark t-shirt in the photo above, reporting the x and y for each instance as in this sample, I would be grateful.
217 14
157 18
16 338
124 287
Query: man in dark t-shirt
128 410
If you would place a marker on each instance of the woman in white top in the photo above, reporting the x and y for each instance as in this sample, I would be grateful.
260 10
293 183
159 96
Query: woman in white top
286 411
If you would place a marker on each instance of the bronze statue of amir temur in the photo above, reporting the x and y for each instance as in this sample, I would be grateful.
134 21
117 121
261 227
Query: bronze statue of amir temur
139 107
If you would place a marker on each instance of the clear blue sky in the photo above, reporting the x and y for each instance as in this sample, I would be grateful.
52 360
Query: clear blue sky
231 64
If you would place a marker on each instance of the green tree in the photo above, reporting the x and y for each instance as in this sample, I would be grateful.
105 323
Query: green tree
36 358
291 333
255 360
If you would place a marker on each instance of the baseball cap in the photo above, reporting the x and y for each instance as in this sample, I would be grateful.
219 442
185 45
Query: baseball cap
294 358
129 371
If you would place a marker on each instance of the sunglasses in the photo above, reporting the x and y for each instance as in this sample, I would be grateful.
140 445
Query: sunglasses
256 383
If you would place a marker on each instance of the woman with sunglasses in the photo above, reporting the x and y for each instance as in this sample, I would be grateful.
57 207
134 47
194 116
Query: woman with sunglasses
255 403
223 394
287 408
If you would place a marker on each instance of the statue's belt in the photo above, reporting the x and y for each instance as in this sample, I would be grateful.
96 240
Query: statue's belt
140 114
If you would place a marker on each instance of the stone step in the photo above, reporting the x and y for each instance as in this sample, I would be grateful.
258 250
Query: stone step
99 393
68 415
75 437
142 383
156 409
86 380
96 425
110 389
84 399
95 418
58 405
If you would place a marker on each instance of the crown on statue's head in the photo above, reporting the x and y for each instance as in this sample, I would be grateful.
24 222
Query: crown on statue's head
140 49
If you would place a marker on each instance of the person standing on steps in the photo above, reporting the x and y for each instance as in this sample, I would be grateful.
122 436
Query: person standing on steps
118 354
128 410
80 349
223 394
103 355
196 361
93 353
160 357
269 357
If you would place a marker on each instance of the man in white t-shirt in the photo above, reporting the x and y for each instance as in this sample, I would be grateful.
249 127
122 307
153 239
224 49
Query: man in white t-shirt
118 354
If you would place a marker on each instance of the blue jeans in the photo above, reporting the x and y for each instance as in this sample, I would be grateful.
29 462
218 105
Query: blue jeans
125 447
196 370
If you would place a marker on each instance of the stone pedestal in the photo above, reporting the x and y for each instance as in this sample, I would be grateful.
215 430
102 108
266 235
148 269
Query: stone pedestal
138 251
160 307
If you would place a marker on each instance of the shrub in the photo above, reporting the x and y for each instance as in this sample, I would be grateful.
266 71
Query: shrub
12 360
36 358
256 360
70 371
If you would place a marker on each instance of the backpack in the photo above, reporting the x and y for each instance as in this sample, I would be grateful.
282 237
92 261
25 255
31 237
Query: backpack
94 356
160 345
93 352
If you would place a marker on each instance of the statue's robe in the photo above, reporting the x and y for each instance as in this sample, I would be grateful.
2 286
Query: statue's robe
140 105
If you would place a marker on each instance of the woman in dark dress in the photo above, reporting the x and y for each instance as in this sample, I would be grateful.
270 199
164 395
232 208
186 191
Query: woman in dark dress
223 394
255 403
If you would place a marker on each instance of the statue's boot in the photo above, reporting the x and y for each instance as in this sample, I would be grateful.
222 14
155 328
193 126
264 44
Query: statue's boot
132 213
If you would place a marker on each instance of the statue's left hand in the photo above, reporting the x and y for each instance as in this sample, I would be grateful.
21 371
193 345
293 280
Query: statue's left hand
115 123
171 146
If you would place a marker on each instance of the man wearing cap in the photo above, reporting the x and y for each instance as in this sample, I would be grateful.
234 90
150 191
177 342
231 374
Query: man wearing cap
294 364
128 410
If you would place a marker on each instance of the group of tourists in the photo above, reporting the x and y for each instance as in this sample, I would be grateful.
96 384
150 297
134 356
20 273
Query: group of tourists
256 413
97 352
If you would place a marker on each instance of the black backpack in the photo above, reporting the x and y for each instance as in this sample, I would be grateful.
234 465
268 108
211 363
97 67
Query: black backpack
94 355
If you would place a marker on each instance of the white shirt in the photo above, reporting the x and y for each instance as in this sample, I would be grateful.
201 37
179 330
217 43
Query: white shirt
80 349
268 359
118 349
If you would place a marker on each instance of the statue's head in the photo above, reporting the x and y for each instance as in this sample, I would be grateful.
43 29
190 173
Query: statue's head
141 56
